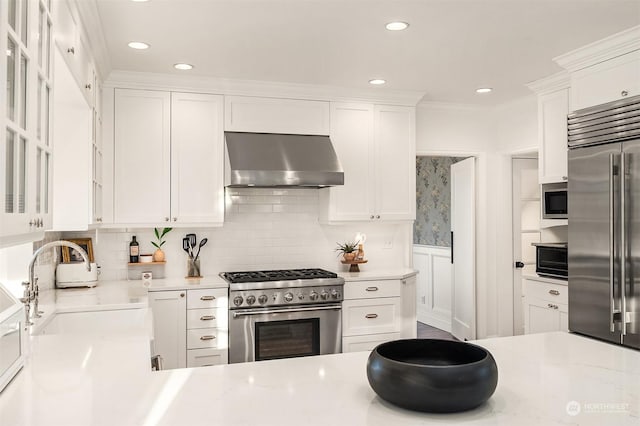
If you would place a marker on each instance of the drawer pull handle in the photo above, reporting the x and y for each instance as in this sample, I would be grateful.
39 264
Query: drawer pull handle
554 292
209 337
370 316
551 305
207 318
371 289
207 297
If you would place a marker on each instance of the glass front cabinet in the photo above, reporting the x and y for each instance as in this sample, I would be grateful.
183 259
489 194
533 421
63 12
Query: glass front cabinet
25 117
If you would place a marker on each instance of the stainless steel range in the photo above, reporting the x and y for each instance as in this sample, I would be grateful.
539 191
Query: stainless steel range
284 314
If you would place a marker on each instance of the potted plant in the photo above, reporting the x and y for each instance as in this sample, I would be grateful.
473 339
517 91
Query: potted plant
158 255
348 250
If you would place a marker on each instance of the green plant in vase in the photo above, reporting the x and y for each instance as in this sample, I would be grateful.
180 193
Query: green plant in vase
349 251
158 255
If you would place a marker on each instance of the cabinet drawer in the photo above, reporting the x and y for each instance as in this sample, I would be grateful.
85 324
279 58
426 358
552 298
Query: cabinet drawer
207 298
371 289
207 357
207 318
553 293
371 316
366 342
206 338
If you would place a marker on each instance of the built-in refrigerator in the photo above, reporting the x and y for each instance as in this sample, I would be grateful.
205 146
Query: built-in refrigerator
604 222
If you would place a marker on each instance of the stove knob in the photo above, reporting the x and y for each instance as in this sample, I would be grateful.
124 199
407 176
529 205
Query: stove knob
263 299
324 295
334 294
237 300
300 296
313 295
251 300
288 297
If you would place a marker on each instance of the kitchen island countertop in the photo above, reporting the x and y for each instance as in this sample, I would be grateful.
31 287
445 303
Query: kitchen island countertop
544 379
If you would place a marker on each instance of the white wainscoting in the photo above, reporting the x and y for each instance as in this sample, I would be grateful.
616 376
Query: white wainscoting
434 285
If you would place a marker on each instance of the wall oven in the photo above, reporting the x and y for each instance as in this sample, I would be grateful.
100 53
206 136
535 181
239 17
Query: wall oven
297 313
551 260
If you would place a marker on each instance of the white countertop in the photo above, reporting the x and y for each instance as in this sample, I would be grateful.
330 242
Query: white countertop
213 281
71 382
535 277
378 274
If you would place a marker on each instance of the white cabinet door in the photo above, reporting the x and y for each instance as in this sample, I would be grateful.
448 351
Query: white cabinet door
366 342
552 136
206 357
541 316
170 327
142 156
272 115
197 158
408 308
615 79
352 138
395 163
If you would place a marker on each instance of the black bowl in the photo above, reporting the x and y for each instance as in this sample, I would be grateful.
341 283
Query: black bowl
436 376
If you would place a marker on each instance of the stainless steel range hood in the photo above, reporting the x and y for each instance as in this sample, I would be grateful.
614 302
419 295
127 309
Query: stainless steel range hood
269 159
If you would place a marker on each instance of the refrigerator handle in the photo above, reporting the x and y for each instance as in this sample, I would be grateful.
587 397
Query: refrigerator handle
623 241
612 277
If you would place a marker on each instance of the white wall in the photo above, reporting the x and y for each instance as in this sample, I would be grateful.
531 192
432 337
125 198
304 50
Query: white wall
263 229
492 135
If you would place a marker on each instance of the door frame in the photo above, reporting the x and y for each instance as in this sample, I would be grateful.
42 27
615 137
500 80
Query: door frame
479 157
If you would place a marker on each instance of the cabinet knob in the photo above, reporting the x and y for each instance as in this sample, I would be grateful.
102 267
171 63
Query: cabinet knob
166 219
624 93
87 86
552 306
377 216
175 219
181 294
371 289
554 292
207 337
372 216
31 223
71 50
370 316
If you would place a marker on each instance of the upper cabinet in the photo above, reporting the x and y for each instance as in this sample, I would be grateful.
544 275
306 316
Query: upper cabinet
608 81
271 115
25 133
168 158
553 107
604 71
375 145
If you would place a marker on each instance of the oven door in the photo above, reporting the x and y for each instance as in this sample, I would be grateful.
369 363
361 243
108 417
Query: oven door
264 333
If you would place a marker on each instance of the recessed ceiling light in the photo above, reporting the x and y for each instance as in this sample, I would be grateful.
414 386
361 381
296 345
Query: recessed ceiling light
377 81
484 90
183 67
397 26
138 45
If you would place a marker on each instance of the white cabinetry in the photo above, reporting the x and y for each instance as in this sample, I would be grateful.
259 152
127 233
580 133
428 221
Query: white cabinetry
169 327
615 79
553 107
25 134
271 115
371 314
545 306
375 145
191 327
168 158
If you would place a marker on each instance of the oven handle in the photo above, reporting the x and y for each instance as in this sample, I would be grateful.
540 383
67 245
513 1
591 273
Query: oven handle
237 314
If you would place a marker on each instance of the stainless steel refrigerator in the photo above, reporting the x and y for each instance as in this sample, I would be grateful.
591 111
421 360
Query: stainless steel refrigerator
604 222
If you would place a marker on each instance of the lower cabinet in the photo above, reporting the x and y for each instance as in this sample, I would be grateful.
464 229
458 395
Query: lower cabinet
375 312
190 327
545 307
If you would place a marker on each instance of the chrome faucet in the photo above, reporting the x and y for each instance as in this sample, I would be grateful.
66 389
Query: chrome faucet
32 291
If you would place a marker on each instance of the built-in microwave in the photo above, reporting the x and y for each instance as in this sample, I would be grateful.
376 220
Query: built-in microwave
551 260
554 201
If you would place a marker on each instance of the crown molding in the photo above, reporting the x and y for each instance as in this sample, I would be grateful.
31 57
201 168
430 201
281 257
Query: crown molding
87 11
555 82
602 50
454 106
194 83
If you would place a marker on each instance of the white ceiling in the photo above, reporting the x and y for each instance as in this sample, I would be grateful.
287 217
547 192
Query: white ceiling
451 47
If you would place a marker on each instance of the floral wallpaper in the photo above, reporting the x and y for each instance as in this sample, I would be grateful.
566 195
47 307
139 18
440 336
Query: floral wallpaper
433 201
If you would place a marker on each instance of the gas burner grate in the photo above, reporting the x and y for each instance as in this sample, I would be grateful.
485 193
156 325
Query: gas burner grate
277 275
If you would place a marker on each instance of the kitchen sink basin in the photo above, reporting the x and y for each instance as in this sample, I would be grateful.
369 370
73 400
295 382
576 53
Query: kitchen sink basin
122 322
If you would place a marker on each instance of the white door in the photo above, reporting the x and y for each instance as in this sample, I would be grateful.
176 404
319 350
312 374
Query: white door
463 206
526 229
169 310
197 158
